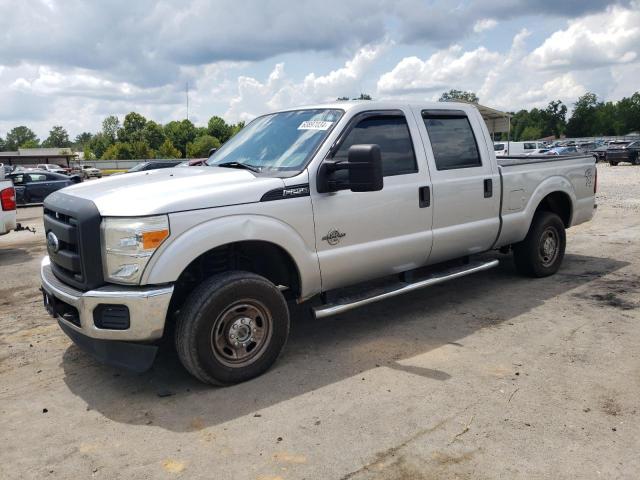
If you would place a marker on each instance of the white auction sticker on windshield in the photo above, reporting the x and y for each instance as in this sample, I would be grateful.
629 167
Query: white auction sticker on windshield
315 125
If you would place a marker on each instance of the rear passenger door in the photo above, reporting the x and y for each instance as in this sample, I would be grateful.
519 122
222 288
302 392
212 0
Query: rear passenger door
364 235
466 183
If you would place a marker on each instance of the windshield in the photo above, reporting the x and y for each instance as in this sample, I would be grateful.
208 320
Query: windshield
280 142
137 167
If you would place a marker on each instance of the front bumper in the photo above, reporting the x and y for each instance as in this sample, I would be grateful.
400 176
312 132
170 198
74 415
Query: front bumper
147 307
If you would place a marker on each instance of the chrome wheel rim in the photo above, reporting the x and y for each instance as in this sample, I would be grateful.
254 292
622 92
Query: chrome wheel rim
241 333
549 246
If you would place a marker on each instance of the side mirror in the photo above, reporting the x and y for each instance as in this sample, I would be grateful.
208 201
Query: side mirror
212 151
364 167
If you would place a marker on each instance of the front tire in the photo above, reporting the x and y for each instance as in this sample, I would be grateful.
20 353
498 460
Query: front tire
541 253
232 328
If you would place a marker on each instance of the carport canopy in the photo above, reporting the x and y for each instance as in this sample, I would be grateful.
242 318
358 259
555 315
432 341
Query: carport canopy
497 121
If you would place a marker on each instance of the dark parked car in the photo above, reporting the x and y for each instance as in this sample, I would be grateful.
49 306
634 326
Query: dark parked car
144 166
33 186
623 152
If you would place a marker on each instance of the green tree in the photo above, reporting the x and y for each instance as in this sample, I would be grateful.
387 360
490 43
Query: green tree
583 119
364 96
30 144
167 150
219 129
554 119
3 144
58 137
531 133
342 99
19 137
118 151
82 140
99 144
141 150
110 127
87 154
453 95
200 146
132 128
628 113
153 134
180 133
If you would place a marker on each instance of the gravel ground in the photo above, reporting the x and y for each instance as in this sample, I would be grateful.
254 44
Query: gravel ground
489 376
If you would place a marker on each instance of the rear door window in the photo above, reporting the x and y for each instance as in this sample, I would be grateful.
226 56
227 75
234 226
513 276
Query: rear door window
452 141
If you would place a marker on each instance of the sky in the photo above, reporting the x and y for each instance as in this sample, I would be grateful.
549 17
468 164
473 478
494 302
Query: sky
73 62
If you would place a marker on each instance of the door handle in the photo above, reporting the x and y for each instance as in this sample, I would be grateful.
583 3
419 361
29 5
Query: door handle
424 197
488 188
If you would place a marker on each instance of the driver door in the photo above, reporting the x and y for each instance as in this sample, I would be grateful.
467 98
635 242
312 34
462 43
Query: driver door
365 235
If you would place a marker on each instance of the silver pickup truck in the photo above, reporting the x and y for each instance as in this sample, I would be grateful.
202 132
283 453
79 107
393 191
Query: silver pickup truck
298 205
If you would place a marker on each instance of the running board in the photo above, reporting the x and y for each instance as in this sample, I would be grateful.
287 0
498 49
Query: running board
346 304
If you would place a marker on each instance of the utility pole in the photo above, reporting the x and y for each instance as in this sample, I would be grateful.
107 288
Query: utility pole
187 100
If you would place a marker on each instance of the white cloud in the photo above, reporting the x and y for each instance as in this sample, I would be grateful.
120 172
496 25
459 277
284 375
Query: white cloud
608 38
484 24
280 91
449 68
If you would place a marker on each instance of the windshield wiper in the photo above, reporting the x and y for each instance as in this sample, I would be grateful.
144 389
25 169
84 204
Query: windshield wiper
245 166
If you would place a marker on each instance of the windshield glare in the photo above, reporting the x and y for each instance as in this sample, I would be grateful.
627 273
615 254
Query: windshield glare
278 142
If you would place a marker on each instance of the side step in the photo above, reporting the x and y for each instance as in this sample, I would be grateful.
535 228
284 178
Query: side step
345 304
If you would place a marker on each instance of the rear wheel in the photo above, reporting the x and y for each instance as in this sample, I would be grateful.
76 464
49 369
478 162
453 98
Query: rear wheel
231 328
541 253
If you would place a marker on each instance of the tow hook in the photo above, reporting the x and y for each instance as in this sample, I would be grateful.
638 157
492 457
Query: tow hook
19 228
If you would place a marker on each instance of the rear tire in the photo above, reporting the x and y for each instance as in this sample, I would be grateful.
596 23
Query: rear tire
541 253
231 328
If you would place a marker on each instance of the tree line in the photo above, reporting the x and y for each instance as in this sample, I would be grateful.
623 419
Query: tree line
591 117
134 138
137 137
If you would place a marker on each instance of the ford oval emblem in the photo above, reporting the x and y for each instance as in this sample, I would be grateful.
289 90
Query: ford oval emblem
52 242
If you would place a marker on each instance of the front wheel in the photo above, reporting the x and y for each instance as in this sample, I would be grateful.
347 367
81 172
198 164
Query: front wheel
541 253
232 328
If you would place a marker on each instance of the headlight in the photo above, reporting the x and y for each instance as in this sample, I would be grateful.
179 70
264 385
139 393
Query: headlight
127 245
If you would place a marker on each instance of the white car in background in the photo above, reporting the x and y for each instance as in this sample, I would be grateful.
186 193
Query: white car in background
87 171
516 148
50 167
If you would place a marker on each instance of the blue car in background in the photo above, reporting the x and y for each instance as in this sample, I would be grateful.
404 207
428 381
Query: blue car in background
32 186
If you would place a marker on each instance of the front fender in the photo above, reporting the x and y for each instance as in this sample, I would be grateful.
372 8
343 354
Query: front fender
173 257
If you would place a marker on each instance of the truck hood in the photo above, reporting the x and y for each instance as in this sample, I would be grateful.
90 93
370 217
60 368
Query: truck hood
173 189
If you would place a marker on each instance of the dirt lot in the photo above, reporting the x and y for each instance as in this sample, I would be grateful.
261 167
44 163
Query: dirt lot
491 376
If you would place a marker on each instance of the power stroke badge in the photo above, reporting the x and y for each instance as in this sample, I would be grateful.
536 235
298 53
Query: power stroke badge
333 237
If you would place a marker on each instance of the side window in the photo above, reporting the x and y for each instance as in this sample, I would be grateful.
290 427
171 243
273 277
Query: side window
18 179
529 146
452 142
37 177
391 133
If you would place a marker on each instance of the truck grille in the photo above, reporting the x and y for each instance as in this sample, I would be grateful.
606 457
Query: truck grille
72 229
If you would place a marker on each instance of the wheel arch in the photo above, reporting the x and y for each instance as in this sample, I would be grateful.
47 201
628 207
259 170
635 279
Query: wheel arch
249 236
